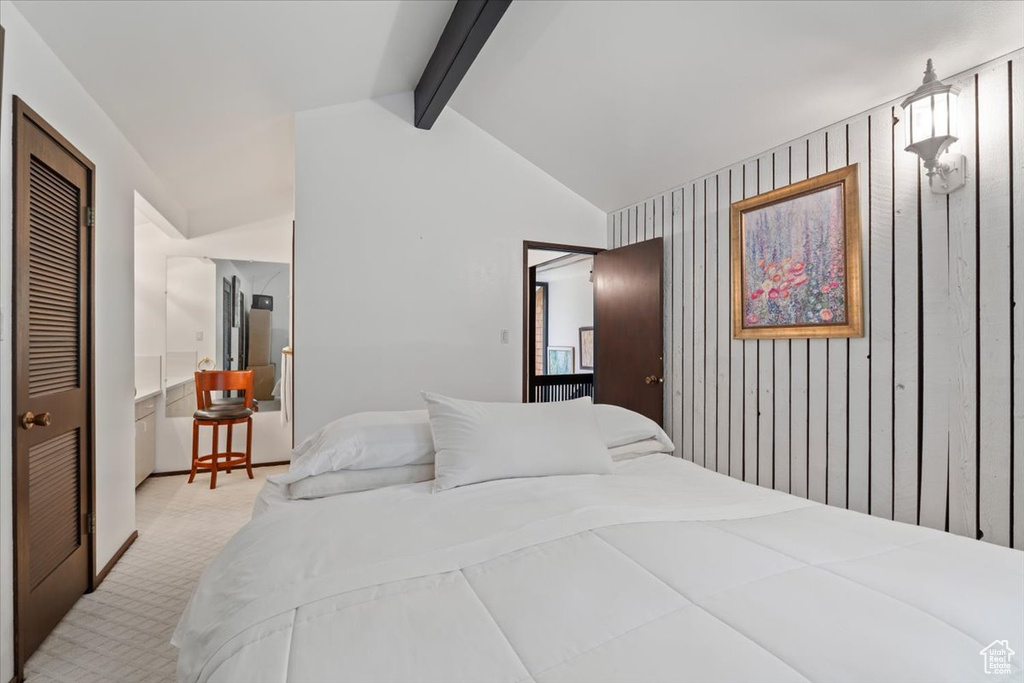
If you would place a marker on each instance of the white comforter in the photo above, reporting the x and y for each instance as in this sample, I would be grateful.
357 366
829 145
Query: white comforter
663 571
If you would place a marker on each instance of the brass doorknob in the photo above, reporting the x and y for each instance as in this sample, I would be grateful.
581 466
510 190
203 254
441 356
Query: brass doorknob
30 420
652 379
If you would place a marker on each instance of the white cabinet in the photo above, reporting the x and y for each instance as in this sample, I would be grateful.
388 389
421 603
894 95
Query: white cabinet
145 438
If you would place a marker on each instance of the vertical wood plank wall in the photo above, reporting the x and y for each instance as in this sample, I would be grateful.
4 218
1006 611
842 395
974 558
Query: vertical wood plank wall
922 419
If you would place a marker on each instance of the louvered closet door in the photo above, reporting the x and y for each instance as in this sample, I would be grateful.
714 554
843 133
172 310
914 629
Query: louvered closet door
51 381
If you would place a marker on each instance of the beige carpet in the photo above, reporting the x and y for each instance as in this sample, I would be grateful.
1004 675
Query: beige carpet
122 632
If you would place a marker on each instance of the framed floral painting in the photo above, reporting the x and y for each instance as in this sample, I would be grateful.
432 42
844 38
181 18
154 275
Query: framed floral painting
796 260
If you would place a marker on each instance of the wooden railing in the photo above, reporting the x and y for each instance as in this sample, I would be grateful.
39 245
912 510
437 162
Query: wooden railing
548 388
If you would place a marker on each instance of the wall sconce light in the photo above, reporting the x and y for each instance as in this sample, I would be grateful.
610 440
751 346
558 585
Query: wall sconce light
931 127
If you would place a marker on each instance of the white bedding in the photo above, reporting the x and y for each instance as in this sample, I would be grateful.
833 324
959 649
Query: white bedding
660 571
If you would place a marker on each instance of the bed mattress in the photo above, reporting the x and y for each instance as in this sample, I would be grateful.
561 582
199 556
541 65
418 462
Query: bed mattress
662 571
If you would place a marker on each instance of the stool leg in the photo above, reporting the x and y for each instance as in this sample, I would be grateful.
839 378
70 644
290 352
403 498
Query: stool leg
195 449
215 466
248 447
228 459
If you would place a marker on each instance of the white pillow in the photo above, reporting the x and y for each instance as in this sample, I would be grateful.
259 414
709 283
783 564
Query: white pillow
351 481
363 441
484 441
638 449
620 426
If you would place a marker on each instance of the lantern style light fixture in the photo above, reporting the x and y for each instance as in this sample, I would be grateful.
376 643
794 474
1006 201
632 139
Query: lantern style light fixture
932 117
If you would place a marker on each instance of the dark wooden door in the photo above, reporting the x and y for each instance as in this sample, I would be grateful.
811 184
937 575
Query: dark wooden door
628 332
52 378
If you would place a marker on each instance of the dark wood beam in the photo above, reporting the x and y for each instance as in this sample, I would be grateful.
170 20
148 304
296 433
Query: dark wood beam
468 28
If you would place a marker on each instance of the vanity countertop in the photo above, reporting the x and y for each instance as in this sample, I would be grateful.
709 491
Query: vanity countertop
147 394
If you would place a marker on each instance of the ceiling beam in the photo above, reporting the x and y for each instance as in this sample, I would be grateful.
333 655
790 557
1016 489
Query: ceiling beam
468 28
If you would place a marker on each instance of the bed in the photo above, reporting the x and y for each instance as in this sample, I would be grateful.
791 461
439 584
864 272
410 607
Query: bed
658 571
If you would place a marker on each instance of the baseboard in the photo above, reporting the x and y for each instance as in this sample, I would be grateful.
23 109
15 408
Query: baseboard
117 556
177 473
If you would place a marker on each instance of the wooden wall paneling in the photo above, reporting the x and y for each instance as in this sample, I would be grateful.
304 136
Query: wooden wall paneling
838 362
677 322
859 375
994 288
751 373
963 331
665 231
782 456
880 337
711 331
649 213
765 366
817 373
737 360
936 356
798 364
905 329
723 382
699 216
922 420
688 309
1017 231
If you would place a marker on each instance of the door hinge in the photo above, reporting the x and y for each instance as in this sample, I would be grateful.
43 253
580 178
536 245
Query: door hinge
90 522
90 217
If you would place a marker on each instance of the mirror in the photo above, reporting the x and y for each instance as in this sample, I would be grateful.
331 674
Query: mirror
225 314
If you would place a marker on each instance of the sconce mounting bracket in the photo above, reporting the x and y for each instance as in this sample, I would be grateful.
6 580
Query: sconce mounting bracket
948 175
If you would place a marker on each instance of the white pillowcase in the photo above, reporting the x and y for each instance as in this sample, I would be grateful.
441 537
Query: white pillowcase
638 450
361 442
620 426
478 441
351 481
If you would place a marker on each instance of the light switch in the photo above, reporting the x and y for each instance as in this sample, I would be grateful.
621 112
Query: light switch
199 335
504 336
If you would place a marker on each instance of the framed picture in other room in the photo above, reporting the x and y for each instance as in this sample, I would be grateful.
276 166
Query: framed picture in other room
587 348
561 360
796 260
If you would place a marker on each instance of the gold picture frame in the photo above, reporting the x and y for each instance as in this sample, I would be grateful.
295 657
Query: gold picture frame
796 267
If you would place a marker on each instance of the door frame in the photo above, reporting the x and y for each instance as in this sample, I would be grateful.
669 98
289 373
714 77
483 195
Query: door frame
528 298
25 116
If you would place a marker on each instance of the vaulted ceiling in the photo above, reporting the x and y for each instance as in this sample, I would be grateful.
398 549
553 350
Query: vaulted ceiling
623 100
617 100
206 91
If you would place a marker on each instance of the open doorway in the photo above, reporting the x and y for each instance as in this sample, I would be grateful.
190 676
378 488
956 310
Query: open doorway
558 322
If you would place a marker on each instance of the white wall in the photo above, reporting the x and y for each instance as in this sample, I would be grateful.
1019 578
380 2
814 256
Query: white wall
409 258
850 422
34 73
192 307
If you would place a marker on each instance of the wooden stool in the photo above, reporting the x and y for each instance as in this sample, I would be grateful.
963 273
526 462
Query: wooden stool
222 412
